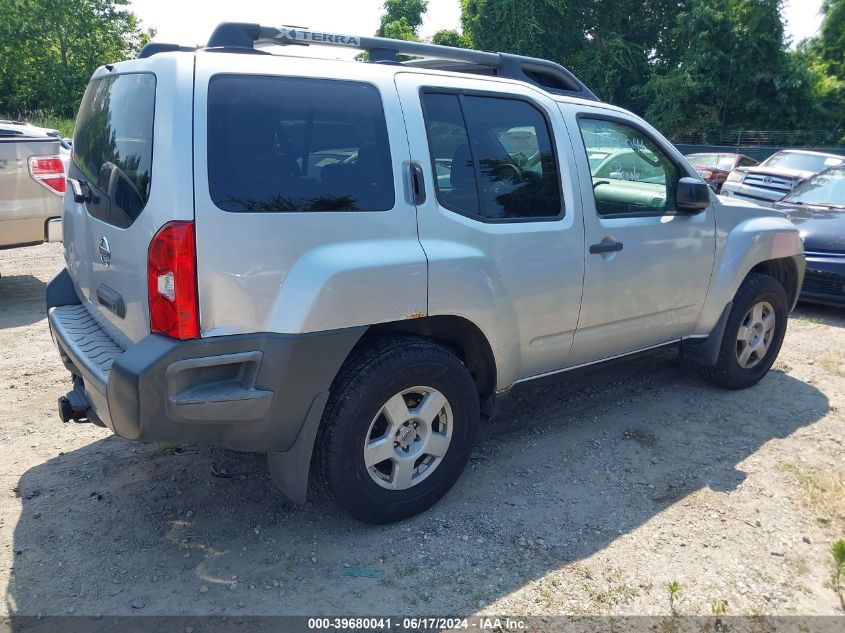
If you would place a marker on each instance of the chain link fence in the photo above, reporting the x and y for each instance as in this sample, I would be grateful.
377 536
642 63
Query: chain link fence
758 144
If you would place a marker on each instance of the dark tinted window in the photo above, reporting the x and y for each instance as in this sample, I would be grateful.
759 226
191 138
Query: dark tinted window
113 144
292 144
499 167
450 154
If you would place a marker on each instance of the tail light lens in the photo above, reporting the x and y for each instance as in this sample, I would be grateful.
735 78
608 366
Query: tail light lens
48 171
172 281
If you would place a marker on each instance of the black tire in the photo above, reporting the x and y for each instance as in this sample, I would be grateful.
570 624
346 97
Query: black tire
756 288
366 382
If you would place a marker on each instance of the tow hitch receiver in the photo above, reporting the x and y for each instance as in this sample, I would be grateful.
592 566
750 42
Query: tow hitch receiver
75 407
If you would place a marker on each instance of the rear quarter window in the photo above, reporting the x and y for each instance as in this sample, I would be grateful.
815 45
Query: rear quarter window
113 144
286 144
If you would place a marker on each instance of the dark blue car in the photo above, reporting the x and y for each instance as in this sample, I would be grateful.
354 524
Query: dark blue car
817 208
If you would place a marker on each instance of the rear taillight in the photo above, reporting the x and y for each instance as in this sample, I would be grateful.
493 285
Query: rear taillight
48 171
172 281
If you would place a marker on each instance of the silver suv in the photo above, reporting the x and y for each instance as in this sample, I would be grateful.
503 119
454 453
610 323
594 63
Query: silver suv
344 264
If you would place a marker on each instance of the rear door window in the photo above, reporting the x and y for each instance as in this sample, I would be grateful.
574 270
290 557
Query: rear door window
493 157
280 144
113 145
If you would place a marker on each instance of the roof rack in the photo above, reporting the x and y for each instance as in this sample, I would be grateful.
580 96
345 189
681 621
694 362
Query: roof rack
154 48
547 75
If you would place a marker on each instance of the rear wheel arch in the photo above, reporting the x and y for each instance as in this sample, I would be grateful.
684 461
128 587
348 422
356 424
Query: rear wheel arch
458 335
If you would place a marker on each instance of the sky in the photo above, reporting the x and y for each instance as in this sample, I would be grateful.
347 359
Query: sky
192 21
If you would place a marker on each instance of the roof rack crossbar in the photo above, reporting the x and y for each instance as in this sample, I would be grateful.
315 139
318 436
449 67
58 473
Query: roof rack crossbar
154 48
541 72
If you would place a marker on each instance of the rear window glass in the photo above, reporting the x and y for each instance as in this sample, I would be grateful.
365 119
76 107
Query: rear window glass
294 144
113 143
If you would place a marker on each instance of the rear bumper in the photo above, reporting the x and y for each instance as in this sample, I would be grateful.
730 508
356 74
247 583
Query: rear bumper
248 392
16 232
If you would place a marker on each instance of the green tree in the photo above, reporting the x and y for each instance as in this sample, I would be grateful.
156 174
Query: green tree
726 63
684 64
50 48
831 43
822 58
607 44
401 19
450 37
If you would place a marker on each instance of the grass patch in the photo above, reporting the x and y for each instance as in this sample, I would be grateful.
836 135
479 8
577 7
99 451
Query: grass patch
160 451
833 366
823 492
806 319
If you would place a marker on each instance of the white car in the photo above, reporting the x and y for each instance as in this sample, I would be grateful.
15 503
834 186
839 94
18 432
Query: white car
780 173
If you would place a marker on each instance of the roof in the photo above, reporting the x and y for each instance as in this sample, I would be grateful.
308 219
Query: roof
811 153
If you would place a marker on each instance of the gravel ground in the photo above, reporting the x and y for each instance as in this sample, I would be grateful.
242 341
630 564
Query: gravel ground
589 493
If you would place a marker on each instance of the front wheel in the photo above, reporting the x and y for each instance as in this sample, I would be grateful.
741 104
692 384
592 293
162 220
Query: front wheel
397 430
753 334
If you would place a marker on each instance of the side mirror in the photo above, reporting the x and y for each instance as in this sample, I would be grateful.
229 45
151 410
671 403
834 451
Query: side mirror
693 195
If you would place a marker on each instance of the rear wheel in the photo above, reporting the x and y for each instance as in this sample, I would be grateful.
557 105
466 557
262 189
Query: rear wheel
753 334
397 430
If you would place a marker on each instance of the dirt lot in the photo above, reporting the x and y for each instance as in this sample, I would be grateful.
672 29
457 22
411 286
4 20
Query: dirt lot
588 495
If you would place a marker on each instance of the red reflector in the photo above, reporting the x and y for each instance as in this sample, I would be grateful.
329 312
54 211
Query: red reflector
172 281
49 171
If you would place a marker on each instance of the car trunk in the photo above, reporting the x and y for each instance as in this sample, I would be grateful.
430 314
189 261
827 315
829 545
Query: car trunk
25 203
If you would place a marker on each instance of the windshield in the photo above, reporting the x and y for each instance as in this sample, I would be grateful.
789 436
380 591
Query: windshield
719 161
802 162
828 188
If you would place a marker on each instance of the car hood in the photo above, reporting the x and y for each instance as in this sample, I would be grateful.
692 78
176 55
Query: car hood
822 228
715 170
778 171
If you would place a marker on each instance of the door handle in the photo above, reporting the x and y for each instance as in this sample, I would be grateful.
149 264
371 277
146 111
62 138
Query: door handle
417 184
605 247
76 187
112 300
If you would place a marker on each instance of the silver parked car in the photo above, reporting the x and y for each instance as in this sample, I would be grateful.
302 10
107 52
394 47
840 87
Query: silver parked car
776 176
345 264
33 163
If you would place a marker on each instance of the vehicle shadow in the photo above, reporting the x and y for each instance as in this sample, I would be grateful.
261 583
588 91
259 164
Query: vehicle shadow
572 463
819 313
21 300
